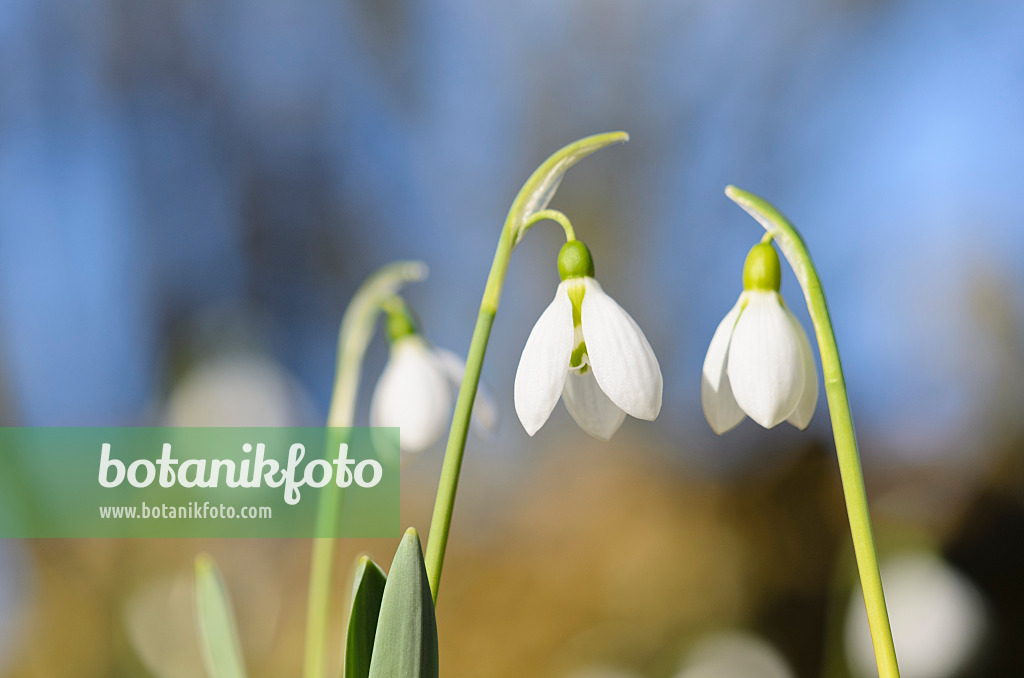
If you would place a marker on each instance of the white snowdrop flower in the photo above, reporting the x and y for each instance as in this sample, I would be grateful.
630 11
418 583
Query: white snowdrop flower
415 391
588 351
760 362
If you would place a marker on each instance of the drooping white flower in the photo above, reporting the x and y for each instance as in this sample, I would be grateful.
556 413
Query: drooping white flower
415 393
587 350
760 362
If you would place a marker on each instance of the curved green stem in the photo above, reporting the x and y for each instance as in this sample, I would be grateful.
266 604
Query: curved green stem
553 215
356 330
526 209
792 245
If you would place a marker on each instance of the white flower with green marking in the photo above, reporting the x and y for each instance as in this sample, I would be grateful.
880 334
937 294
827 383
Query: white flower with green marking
415 390
587 350
760 363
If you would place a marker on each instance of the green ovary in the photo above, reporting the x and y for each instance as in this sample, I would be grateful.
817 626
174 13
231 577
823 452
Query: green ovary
762 270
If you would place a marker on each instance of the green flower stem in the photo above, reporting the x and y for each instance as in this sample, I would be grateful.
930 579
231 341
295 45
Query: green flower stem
553 215
527 209
356 331
793 247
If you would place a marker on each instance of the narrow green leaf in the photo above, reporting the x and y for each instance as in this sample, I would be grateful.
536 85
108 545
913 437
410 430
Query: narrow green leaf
215 622
405 645
367 592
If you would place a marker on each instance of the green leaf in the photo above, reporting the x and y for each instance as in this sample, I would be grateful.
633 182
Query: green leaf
538 190
367 592
405 645
215 622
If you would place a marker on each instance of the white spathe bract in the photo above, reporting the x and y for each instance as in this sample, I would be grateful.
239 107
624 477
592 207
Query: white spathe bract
415 393
759 364
615 371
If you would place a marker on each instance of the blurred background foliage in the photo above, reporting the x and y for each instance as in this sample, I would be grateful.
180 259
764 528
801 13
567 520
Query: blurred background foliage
190 191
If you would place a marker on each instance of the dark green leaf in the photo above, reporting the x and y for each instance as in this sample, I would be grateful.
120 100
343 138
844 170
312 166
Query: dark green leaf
367 591
405 645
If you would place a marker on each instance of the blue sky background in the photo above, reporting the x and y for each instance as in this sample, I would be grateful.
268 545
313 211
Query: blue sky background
179 179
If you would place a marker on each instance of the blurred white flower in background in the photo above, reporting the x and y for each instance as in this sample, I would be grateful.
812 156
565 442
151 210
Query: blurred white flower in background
760 362
734 654
161 629
939 619
416 391
243 389
159 614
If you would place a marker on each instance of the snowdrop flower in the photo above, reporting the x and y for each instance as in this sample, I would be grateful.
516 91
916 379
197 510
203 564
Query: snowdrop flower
588 351
760 362
414 393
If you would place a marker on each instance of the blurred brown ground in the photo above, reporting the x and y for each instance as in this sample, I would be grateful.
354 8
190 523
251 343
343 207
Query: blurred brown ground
599 553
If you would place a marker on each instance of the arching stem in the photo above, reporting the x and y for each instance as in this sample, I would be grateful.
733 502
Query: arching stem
793 247
528 208
553 215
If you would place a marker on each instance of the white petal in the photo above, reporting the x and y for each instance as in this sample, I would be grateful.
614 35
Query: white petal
590 407
485 412
801 416
720 408
619 355
545 361
412 394
765 366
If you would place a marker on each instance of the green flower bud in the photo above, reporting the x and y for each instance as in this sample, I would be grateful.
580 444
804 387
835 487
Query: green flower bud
762 270
574 261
